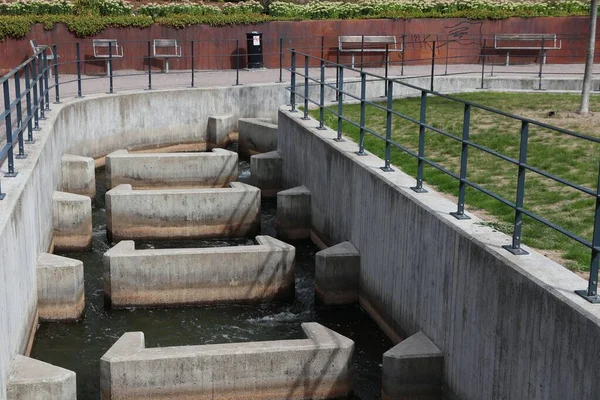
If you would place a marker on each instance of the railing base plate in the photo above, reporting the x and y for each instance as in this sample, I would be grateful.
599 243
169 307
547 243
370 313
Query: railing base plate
459 216
2 196
338 140
387 169
516 252
361 153
21 157
418 189
592 299
10 175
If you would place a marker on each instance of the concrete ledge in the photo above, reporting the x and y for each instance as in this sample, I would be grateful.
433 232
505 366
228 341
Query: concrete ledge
318 367
31 379
78 175
171 170
265 173
72 220
237 274
256 135
221 130
337 273
413 370
293 213
60 288
182 213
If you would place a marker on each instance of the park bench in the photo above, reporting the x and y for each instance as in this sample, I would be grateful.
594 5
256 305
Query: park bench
49 54
368 44
107 48
527 41
166 48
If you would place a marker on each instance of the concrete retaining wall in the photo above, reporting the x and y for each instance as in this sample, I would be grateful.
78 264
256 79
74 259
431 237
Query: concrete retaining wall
94 126
171 170
237 274
182 213
509 327
318 367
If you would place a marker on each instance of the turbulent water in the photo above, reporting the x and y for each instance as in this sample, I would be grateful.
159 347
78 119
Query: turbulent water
79 346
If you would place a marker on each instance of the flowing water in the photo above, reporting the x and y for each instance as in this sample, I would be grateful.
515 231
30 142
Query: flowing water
79 346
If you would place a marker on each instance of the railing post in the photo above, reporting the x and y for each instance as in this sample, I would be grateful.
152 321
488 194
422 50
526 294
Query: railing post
78 54
542 57
56 86
362 52
46 85
388 127
432 64
322 97
293 82
36 102
41 86
280 59
483 55
110 68
305 117
337 73
237 62
340 97
403 53
363 109
19 109
515 247
28 104
460 211
149 57
8 126
192 52
322 47
447 47
591 294
387 55
421 154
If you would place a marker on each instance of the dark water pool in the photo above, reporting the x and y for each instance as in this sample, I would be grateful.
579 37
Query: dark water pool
79 346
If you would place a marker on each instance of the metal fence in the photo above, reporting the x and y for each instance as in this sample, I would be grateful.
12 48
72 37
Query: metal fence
300 88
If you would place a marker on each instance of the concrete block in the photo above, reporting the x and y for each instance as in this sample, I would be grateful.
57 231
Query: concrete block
256 135
337 273
265 173
221 130
171 170
182 213
318 367
236 274
72 221
293 213
31 379
78 175
60 288
413 370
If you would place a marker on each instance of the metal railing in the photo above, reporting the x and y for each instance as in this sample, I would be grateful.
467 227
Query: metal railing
301 89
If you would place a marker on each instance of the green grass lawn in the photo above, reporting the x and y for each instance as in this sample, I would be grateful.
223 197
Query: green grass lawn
573 159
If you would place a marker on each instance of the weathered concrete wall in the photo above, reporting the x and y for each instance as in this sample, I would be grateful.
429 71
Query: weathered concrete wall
510 327
93 126
293 213
318 367
265 173
237 274
31 379
78 175
171 170
337 274
222 130
256 135
60 288
182 213
72 216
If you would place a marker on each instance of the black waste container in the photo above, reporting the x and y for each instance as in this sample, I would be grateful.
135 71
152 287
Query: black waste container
255 49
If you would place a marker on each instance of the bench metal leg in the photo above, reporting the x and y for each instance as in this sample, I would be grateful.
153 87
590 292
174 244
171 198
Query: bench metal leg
166 65
507 57
108 68
544 57
352 59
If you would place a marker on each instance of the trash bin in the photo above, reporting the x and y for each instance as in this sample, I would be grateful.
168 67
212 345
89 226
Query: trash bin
255 50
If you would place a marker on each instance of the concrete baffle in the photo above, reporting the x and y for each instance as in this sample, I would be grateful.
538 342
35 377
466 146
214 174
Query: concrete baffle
78 175
222 130
60 288
182 213
234 274
256 135
293 213
217 168
72 220
337 273
265 173
412 370
31 379
318 367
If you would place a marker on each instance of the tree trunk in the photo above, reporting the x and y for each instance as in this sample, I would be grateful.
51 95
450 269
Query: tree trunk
584 107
